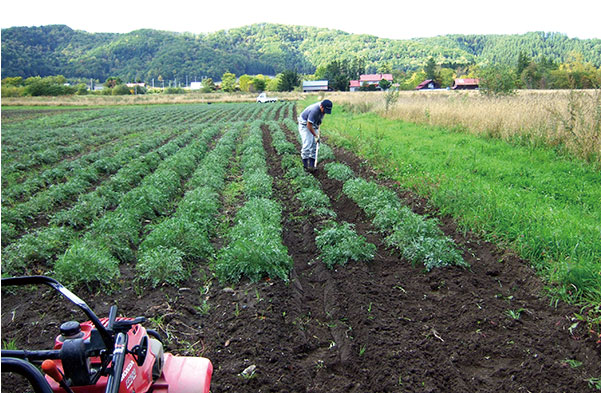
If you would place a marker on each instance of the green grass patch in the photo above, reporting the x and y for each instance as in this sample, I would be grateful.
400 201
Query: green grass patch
529 199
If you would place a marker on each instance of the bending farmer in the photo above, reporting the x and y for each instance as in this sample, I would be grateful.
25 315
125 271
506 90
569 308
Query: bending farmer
308 127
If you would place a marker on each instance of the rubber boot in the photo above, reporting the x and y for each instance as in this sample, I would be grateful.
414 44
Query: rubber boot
305 163
311 166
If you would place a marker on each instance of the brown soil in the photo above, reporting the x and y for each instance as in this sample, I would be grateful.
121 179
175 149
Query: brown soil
375 326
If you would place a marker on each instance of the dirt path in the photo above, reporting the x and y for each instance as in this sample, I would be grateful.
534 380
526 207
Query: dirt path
381 326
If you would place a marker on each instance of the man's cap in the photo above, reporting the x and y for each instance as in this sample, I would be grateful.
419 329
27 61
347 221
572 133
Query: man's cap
327 106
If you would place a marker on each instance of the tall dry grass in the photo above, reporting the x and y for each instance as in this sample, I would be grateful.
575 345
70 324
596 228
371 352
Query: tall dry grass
567 120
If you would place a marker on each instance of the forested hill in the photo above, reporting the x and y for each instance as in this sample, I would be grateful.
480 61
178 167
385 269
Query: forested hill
258 49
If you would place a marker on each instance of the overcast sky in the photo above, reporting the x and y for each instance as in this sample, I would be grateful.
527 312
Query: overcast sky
399 19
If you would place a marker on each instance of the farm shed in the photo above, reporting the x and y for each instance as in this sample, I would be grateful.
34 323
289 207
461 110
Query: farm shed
354 86
195 85
466 84
428 84
315 86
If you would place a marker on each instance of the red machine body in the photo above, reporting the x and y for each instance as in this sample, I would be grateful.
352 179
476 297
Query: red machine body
181 374
105 355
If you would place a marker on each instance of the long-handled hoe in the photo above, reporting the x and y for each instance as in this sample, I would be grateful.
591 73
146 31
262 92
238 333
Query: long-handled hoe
316 155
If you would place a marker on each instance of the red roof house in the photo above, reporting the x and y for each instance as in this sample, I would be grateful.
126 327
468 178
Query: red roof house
428 84
355 85
369 79
374 78
466 84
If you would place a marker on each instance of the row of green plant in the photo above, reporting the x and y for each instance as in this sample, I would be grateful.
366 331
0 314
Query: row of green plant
45 136
531 199
47 140
45 244
101 158
20 159
40 247
254 246
337 242
165 254
17 219
419 240
30 144
94 258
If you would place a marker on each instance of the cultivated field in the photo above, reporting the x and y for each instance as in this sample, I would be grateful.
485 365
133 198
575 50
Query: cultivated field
201 218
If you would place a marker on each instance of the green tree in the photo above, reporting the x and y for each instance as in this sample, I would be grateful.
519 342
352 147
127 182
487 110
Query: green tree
259 83
415 79
228 82
112 81
447 77
82 89
121 90
208 85
531 76
288 80
523 62
338 74
245 82
430 69
12 81
48 86
385 68
384 84
497 80
274 83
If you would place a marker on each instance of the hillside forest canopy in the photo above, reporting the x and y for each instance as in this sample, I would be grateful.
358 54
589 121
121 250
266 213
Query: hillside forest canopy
286 53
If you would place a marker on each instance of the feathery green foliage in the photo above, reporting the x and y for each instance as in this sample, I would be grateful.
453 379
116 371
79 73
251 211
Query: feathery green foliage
339 243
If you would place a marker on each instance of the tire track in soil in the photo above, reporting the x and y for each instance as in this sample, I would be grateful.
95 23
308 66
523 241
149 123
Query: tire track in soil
319 338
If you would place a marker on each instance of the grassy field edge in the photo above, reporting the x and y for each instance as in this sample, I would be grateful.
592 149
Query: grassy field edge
546 208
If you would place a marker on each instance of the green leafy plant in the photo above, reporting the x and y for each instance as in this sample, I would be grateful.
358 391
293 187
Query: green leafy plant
204 307
418 239
594 383
255 249
87 263
339 243
573 363
9 345
339 171
515 314
162 265
362 350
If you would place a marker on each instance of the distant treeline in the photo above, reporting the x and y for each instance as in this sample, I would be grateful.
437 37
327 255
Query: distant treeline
269 49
